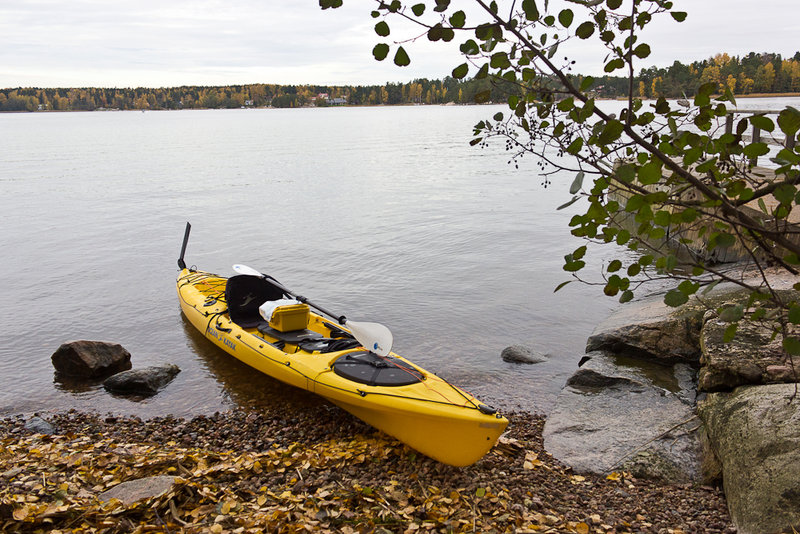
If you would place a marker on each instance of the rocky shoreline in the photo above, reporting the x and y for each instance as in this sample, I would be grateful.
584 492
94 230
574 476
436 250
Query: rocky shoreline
273 471
660 395
659 418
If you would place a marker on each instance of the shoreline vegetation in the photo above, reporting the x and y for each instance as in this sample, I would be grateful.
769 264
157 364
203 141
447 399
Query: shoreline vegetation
753 74
261 470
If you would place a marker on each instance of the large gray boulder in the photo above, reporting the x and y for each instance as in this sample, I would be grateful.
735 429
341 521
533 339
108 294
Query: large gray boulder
143 382
755 432
613 418
754 356
649 329
90 359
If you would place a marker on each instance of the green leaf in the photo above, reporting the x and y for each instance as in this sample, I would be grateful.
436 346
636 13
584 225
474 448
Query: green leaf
483 96
675 298
794 314
585 30
612 131
469 48
650 173
530 9
418 9
791 345
626 296
662 218
460 71
568 204
574 266
441 6
325 4
575 146
789 120
704 92
626 173
680 16
586 83
562 284
579 253
614 64
565 17
401 58
753 150
435 33
614 266
731 314
380 51
760 121
730 333
458 19
500 61
721 240
382 28
566 104
577 183
642 51
613 4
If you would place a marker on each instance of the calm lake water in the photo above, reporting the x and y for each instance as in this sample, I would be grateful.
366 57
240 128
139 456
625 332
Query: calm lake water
382 214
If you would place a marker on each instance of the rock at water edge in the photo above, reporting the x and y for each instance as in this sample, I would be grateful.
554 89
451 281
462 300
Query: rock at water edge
521 354
146 381
755 432
39 426
650 329
606 421
90 359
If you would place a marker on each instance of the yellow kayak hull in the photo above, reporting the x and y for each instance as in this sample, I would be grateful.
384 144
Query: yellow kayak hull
432 416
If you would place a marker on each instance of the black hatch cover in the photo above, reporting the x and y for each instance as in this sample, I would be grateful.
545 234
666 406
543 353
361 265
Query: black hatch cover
373 370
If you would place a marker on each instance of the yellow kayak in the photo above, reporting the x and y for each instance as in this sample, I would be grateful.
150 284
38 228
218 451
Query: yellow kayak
254 320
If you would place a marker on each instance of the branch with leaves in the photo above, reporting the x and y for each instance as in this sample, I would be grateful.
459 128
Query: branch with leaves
659 172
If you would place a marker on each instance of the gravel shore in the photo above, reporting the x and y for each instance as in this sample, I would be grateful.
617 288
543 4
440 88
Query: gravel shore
325 472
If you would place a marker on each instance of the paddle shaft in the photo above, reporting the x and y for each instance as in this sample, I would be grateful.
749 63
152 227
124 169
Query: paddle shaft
341 318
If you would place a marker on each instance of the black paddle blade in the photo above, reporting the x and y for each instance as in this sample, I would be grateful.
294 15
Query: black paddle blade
181 263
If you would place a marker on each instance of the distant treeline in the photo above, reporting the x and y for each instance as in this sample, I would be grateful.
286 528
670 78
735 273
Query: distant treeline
753 73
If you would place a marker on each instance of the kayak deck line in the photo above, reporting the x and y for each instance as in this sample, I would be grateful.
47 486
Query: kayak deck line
423 410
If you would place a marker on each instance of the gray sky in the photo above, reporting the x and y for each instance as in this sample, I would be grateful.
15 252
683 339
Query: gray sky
158 43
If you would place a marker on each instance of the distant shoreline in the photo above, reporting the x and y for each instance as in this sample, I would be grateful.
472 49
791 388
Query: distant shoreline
404 104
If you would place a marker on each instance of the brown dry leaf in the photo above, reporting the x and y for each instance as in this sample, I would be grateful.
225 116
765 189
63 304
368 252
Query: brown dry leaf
21 513
531 461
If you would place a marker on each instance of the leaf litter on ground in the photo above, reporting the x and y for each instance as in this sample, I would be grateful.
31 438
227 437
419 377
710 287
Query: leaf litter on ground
316 481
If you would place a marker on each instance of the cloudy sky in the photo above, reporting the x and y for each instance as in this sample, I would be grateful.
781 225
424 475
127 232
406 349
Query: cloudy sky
157 43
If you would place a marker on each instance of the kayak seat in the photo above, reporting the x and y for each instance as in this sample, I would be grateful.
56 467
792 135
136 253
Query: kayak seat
245 294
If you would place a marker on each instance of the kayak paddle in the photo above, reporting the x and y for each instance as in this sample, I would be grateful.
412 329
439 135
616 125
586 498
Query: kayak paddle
374 336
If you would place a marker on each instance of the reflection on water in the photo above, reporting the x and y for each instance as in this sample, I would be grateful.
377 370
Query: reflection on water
243 386
73 384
